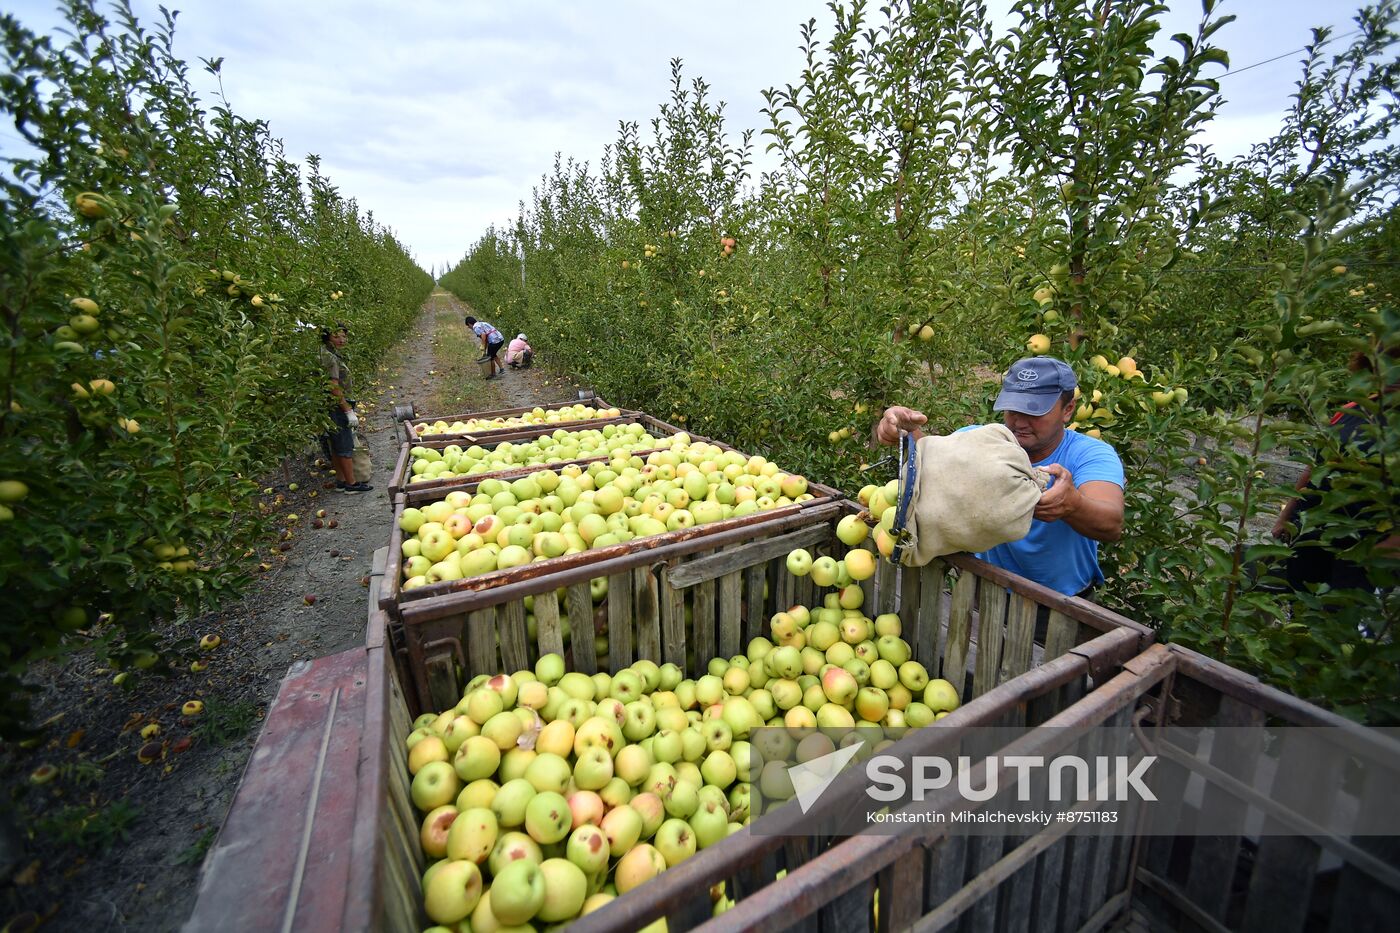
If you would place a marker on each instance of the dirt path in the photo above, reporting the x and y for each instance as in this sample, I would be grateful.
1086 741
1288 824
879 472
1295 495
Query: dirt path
114 844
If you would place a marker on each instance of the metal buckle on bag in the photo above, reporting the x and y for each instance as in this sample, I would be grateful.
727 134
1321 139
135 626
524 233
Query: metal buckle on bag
908 476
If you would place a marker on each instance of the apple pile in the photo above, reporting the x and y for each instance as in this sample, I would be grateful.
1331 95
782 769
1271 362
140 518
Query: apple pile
546 794
611 440
833 666
570 510
525 420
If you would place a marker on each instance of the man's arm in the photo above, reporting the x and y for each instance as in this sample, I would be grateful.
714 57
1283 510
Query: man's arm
897 418
1094 509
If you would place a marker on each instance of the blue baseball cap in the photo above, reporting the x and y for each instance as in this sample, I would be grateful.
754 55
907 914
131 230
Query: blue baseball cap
1033 386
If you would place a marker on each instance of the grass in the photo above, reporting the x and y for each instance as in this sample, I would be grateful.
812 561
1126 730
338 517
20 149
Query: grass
87 828
194 854
223 723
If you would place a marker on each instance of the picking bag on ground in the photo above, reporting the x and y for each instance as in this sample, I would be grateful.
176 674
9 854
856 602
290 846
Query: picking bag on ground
364 468
973 490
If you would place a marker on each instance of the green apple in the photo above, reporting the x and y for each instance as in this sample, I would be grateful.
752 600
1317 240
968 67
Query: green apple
518 893
453 892
799 562
565 887
473 835
852 531
513 847
435 785
638 866
548 817
824 571
623 827
675 840
941 696
588 848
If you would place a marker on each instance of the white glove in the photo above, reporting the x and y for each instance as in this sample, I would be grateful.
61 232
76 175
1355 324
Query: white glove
352 419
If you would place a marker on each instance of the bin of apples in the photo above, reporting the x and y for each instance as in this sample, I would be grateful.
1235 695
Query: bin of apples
524 420
570 510
546 794
611 440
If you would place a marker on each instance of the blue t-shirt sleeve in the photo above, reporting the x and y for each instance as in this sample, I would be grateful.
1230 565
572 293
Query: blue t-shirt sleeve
1096 461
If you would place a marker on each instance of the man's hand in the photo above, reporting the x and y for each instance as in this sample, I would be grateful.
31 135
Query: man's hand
1095 509
896 419
352 420
1061 499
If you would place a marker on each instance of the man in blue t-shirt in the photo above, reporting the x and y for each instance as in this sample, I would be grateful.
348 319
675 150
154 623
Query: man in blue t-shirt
1084 502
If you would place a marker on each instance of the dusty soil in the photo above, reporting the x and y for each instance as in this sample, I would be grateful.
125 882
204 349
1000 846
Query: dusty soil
115 844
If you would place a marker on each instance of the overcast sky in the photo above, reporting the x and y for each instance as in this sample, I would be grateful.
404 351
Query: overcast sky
439 115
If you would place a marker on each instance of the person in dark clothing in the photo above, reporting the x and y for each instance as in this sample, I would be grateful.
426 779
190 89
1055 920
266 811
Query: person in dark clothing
1317 557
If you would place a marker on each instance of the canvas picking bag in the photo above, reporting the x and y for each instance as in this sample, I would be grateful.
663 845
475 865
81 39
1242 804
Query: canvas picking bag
364 468
973 490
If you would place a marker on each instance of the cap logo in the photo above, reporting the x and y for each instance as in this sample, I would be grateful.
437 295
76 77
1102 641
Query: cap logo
1027 375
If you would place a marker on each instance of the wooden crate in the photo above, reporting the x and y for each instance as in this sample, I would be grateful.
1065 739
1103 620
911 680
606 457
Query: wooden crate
1055 880
454 599
324 831
409 436
478 625
399 481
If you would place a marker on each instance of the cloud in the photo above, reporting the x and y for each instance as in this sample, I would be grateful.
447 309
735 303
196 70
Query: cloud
440 115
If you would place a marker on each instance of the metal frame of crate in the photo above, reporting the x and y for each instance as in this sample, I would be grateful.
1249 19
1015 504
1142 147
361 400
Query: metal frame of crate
410 437
399 482
926 879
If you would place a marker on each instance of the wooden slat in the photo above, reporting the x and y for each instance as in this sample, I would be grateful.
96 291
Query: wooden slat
1214 856
1105 742
1061 634
991 627
1078 870
959 631
1159 844
755 616
580 603
730 623
646 609
1285 867
620 620
797 851
1020 635
945 868
754 876
547 627
714 566
690 913
515 646
1361 898
1049 887
909 599
481 643
884 589
805 592
982 853
901 892
850 911
782 588
930 616
443 689
673 633
1017 896
702 630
